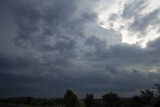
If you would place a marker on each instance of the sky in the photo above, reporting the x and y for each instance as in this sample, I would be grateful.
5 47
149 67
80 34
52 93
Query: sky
88 46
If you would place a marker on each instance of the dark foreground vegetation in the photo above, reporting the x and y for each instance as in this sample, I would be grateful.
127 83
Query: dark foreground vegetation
146 98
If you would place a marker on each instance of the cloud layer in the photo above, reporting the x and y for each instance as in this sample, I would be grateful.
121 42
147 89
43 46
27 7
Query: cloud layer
49 46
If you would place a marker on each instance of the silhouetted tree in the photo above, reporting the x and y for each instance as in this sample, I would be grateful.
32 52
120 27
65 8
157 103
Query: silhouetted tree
156 87
89 100
158 103
58 102
146 95
29 100
111 99
98 103
137 101
70 99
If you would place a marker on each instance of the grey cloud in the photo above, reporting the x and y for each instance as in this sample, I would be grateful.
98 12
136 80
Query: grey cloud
66 57
53 28
117 74
121 52
15 65
133 8
141 24
25 83
141 21
98 81
105 82
30 66
94 41
154 44
125 56
96 47
113 17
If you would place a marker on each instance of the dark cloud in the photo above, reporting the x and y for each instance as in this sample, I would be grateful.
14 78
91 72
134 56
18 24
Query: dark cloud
154 44
47 77
57 21
59 54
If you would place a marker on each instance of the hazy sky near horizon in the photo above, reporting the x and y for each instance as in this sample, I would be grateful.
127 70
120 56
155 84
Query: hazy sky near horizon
88 46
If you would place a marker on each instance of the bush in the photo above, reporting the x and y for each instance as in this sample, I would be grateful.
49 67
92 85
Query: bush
111 99
70 99
89 100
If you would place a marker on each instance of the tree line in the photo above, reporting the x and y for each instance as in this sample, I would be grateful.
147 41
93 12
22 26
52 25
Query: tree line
147 97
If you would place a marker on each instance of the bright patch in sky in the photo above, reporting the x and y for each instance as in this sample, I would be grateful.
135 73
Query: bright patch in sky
137 25
154 69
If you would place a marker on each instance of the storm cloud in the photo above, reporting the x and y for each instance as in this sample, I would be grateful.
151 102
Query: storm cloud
49 46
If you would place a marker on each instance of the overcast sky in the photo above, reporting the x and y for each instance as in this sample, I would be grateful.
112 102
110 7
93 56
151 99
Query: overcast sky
88 46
